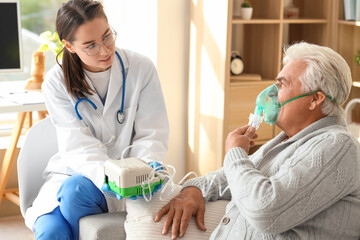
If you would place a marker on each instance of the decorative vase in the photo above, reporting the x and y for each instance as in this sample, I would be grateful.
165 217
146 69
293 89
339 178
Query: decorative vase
291 11
246 13
37 71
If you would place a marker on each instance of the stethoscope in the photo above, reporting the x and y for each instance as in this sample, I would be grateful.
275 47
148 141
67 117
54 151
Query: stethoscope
120 116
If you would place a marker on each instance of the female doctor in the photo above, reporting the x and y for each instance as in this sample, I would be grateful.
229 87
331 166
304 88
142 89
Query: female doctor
124 88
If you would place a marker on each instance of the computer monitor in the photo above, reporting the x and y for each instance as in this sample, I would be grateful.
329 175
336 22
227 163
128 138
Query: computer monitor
11 59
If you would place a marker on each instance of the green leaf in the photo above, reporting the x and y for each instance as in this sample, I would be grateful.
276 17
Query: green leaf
45 35
51 41
43 48
246 4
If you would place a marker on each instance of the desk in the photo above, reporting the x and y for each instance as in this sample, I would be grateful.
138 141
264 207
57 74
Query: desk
24 111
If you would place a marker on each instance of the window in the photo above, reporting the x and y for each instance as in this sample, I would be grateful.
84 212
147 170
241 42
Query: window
36 17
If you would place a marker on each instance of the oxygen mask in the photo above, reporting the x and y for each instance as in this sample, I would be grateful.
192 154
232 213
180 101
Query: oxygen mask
267 103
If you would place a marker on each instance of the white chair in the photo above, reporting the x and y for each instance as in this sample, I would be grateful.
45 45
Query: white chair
354 128
39 145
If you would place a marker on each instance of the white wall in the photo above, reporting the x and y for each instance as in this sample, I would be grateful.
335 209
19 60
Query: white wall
173 65
135 21
160 30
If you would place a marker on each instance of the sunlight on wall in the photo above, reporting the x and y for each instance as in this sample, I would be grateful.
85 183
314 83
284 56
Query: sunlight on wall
210 88
192 87
206 85
211 113
215 17
136 24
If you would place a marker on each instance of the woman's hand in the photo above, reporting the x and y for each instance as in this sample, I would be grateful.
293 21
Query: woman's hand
189 202
241 137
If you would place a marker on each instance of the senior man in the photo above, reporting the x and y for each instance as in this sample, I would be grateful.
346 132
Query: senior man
304 183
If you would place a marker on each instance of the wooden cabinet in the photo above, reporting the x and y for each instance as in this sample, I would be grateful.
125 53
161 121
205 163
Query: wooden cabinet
219 102
346 41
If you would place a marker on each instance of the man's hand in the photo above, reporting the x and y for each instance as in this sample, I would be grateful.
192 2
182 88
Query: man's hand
241 137
179 211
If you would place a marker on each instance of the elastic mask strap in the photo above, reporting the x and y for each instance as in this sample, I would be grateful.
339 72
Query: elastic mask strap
331 98
304 95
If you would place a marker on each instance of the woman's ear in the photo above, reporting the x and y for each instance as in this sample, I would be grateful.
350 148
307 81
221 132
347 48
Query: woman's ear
68 46
316 100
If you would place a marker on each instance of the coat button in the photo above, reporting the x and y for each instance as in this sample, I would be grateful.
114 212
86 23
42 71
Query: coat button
225 220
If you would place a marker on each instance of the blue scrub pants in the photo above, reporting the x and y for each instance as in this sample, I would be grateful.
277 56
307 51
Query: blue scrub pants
78 197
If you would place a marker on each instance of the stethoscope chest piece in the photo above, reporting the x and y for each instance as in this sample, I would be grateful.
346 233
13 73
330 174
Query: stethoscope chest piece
120 117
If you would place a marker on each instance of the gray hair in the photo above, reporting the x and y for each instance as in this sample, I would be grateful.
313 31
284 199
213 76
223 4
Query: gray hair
326 71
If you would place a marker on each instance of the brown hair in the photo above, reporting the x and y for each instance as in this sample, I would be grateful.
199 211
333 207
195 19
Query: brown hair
70 16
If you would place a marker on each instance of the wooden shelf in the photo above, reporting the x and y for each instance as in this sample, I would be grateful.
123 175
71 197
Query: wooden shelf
240 83
238 20
245 77
305 21
351 23
356 84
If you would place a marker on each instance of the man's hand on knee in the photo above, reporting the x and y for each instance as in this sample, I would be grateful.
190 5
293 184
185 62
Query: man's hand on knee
189 202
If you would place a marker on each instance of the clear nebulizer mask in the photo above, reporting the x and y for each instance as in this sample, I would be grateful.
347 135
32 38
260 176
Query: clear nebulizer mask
267 104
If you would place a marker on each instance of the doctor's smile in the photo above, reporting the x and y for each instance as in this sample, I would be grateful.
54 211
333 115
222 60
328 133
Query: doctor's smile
107 59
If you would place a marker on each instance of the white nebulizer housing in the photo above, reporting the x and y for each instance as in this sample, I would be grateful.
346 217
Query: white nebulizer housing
255 120
130 177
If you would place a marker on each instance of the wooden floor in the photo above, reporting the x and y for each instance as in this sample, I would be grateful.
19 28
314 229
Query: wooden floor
13 228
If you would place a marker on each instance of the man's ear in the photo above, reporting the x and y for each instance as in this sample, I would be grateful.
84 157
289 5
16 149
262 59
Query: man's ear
68 46
316 100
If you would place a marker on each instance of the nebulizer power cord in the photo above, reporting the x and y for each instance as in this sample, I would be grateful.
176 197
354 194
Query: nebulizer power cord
166 174
159 170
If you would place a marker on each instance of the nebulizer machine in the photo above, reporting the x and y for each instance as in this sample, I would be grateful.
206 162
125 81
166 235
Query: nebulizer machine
133 177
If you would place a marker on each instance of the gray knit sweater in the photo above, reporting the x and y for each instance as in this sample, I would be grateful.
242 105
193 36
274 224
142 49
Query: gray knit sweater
307 187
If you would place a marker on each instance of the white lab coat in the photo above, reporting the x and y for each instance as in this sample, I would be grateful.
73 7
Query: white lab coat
146 124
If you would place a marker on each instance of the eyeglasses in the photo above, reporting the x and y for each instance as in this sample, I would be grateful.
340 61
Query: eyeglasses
95 48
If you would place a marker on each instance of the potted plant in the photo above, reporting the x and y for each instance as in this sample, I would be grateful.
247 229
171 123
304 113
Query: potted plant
246 10
357 58
51 42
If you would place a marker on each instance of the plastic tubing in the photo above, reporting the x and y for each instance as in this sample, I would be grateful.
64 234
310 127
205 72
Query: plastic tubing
167 171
